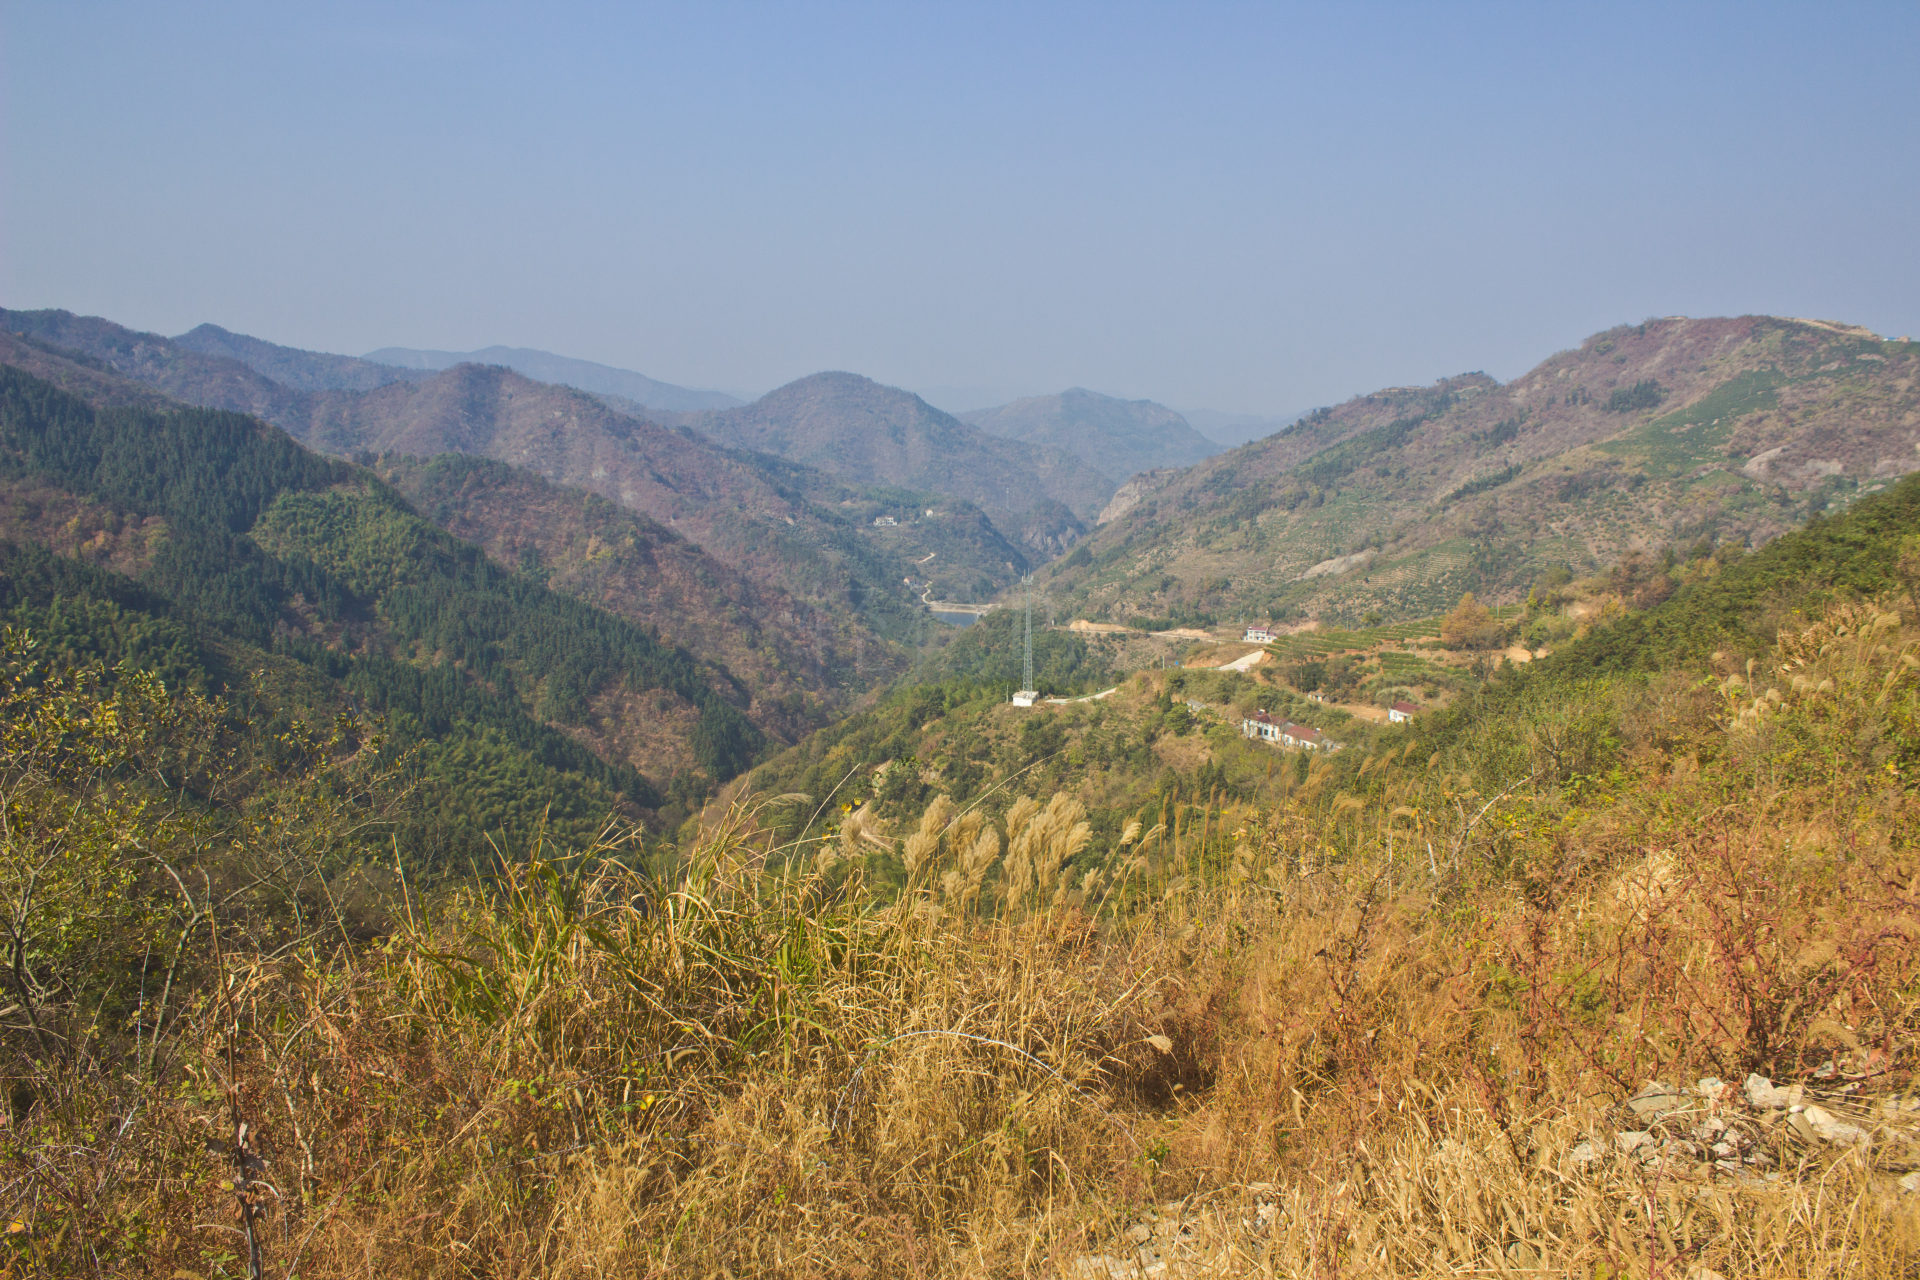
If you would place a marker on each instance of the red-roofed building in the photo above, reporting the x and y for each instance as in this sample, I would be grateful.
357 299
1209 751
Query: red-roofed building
1285 732
1302 736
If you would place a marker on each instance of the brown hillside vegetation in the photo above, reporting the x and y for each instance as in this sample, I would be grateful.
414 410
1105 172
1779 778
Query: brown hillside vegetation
1460 1007
1646 436
793 532
721 501
1470 625
753 515
799 660
76 374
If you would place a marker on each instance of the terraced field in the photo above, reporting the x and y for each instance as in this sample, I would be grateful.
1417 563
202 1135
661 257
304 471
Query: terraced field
1303 645
1679 443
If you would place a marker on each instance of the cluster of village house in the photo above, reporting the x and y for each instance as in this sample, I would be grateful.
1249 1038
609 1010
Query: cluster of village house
1306 737
1286 732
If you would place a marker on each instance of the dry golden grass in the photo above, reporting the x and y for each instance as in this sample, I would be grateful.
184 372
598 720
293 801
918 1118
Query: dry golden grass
1357 1035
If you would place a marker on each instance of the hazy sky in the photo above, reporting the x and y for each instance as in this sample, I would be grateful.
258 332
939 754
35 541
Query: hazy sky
1254 207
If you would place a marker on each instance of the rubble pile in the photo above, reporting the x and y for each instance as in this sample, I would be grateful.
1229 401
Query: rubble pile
1756 1130
1709 1134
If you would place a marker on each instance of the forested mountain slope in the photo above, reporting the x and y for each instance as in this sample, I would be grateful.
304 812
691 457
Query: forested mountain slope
252 566
786 527
777 524
854 428
1869 551
1113 437
801 663
796 658
1646 436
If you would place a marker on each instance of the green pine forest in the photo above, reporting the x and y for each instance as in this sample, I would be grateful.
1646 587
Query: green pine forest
300 588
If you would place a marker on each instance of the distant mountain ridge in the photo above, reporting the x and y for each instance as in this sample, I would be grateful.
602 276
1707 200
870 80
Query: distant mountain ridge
855 428
544 366
1661 434
842 549
845 432
192 377
1116 438
802 661
293 367
77 374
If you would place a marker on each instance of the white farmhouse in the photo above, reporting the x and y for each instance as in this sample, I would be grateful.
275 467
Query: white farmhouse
1286 733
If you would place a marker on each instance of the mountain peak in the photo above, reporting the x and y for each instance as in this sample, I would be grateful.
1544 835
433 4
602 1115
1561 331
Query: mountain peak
1118 438
850 426
839 382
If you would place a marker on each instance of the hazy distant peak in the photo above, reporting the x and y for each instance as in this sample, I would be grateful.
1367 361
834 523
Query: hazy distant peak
1113 436
1082 393
583 375
216 381
842 381
841 384
830 377
291 366
851 426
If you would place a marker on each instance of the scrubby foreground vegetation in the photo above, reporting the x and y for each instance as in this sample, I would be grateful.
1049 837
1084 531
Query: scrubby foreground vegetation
1398 1020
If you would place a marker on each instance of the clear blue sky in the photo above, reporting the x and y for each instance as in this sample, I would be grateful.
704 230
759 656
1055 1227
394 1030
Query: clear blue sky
1253 207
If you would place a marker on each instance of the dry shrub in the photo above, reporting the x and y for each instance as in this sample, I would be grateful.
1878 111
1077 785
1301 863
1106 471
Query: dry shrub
577 1070
1410 1057
1361 1035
